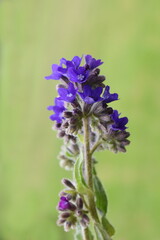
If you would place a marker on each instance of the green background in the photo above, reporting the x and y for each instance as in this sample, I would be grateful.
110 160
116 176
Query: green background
35 34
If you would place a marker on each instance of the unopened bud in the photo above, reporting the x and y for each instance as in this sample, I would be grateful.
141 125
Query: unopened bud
67 164
83 223
60 86
125 142
96 71
65 125
121 148
74 149
72 207
61 221
122 135
85 218
67 226
67 114
68 183
73 120
61 134
77 111
73 128
69 197
72 138
79 213
109 110
57 126
79 203
65 215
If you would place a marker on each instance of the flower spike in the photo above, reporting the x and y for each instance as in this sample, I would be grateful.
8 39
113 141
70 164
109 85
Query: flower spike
87 123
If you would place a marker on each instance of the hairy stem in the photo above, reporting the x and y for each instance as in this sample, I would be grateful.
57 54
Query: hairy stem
89 169
97 144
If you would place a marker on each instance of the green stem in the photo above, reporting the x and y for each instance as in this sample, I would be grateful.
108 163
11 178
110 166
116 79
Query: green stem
89 169
95 146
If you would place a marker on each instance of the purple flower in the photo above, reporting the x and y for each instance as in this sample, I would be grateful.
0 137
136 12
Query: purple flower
64 204
109 97
59 71
77 75
92 62
58 109
119 123
74 63
56 75
90 95
67 94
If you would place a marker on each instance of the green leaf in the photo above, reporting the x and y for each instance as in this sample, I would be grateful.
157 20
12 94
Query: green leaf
79 235
101 234
68 154
108 227
78 175
91 235
101 198
98 233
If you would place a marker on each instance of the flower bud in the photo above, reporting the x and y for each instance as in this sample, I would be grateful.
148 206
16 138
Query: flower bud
67 163
61 134
73 120
109 110
67 114
121 148
65 125
67 226
83 223
68 183
79 213
122 135
57 126
72 207
85 218
73 128
60 86
65 215
61 221
69 196
79 203
74 149
77 111
73 138
96 71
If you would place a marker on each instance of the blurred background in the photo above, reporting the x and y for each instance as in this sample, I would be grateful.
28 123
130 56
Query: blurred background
34 35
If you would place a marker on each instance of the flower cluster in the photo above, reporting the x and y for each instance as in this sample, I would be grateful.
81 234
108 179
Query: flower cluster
71 208
83 93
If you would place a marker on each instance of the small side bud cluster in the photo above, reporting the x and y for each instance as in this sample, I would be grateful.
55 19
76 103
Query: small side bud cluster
71 208
69 152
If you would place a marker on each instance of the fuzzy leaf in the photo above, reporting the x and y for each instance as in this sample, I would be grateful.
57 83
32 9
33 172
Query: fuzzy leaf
98 233
90 235
101 198
79 236
101 234
69 154
108 227
78 175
